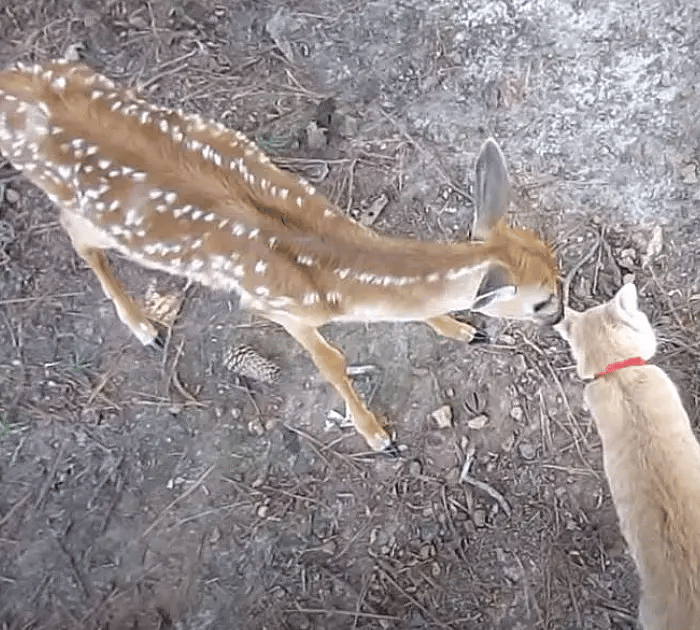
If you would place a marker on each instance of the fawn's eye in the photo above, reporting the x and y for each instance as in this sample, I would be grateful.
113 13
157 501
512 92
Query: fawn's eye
540 305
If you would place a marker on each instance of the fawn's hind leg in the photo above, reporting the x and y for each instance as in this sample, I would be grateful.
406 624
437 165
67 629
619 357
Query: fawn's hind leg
331 363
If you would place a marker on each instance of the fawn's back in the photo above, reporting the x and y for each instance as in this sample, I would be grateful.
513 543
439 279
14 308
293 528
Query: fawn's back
191 197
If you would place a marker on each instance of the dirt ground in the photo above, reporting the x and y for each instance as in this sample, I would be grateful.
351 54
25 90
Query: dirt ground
162 490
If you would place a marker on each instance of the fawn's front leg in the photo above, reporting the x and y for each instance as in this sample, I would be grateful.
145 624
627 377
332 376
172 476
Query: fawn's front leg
127 310
90 251
331 363
448 326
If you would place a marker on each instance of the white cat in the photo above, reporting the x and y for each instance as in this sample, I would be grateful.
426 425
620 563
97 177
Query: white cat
651 456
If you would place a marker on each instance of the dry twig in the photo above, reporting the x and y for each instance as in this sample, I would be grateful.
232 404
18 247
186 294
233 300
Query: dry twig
488 489
175 501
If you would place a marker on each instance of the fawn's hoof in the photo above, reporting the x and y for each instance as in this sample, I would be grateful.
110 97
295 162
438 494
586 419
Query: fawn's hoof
158 342
480 337
392 450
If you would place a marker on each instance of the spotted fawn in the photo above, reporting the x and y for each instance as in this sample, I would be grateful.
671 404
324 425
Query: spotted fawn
173 191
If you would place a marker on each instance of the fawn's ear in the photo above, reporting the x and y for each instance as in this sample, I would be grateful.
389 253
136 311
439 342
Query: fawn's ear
495 286
492 190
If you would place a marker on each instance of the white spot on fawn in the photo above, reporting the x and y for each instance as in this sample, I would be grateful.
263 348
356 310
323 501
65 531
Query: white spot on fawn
310 299
260 267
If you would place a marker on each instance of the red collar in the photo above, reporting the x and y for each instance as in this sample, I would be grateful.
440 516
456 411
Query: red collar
614 367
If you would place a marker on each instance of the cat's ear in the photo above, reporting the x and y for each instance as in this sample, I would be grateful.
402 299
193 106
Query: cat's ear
624 306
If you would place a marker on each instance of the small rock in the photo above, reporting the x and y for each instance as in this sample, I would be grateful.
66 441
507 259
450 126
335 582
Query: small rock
345 124
11 195
256 427
324 112
626 259
517 413
195 11
91 18
443 416
415 468
507 444
262 511
426 551
349 127
519 363
138 21
452 476
689 174
278 592
370 214
435 569
627 263
73 51
329 547
479 422
479 518
654 247
315 136
527 450
90 416
450 392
